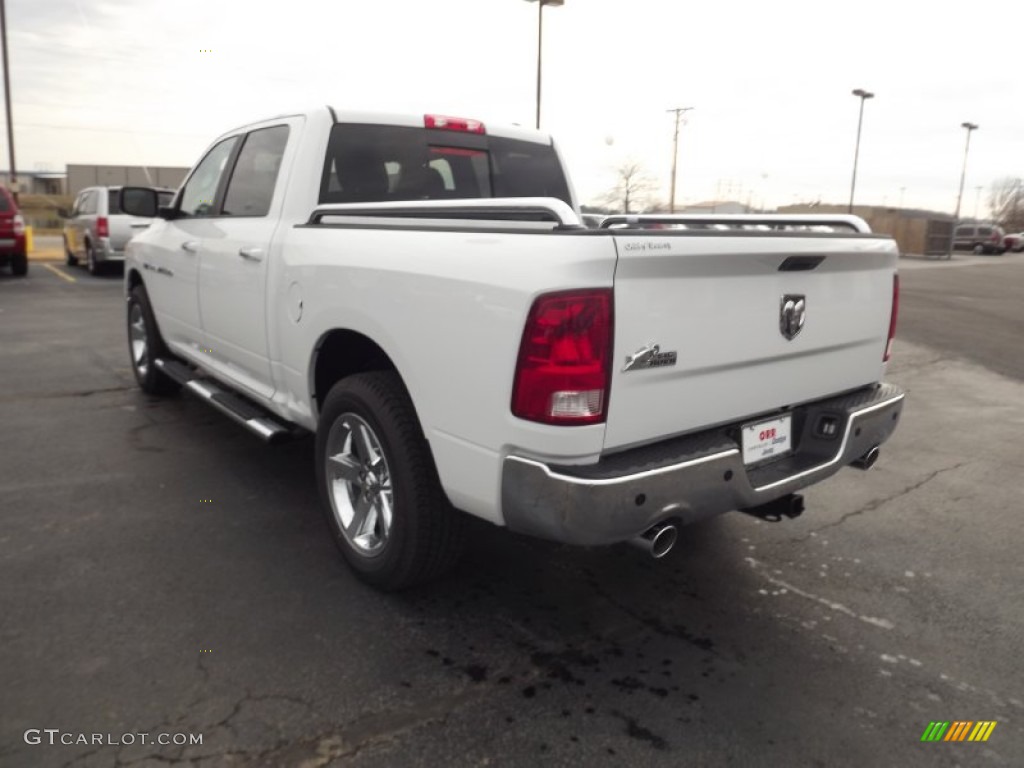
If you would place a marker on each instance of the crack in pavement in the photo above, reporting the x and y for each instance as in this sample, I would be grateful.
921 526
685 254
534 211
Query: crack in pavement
59 395
374 729
652 622
872 506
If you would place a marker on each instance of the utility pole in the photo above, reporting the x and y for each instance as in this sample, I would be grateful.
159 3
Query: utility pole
963 175
675 156
863 96
540 43
12 182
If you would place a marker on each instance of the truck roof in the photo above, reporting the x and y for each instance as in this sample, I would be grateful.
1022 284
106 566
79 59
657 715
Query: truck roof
410 119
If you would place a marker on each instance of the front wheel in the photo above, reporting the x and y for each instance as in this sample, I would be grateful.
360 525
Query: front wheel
145 345
379 486
979 249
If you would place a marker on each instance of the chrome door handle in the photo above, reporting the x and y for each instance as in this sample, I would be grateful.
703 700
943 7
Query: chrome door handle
252 254
191 246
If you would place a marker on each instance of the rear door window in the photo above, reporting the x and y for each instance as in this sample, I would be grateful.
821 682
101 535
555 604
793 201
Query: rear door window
255 174
378 163
88 204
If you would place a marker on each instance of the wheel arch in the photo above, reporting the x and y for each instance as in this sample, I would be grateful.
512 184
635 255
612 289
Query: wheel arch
132 278
342 352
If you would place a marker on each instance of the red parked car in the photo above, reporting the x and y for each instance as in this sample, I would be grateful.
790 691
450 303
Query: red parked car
1014 243
12 235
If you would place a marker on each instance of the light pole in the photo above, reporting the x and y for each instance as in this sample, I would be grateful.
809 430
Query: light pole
963 175
675 156
864 96
13 180
540 42
977 199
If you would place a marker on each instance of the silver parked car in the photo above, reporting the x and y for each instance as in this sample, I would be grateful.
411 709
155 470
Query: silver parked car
97 231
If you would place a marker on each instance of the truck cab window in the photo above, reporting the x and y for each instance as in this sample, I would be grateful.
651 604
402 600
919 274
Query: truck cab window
201 188
255 174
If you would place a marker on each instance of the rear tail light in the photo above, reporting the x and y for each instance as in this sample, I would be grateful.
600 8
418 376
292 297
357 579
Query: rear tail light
19 224
462 124
563 374
892 317
102 227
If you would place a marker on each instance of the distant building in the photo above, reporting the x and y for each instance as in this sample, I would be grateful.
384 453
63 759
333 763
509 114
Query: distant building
915 231
81 176
716 206
36 182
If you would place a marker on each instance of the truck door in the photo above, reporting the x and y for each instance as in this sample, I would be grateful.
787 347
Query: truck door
234 264
171 263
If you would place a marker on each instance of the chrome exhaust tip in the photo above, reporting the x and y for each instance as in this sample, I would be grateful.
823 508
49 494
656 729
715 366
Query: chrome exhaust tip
657 540
867 461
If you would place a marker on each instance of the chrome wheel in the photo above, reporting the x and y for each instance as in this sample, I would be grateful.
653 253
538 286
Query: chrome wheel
359 484
137 337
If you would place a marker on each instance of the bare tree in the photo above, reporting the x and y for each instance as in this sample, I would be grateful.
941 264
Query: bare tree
634 188
1006 199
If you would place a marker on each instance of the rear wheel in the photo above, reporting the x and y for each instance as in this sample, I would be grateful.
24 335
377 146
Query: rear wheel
95 268
379 486
19 264
145 345
69 257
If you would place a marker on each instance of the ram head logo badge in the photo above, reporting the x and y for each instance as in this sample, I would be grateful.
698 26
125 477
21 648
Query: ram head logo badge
792 315
649 356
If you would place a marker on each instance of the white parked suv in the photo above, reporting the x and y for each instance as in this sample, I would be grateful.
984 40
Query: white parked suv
420 293
97 230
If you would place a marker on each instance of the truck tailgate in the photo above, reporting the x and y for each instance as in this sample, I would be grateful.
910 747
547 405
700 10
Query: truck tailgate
717 301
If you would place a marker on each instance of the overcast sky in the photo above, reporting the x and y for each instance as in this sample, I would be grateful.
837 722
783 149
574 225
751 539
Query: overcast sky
129 82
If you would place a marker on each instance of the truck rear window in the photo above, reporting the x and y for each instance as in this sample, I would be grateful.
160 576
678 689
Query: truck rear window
381 163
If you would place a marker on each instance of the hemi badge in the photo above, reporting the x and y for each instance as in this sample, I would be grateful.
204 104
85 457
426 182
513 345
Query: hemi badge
649 357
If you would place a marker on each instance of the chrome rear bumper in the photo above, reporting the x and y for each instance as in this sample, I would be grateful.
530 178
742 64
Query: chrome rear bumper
689 478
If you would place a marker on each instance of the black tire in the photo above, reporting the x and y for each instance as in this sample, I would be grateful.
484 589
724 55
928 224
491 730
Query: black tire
69 257
19 264
426 533
150 378
94 267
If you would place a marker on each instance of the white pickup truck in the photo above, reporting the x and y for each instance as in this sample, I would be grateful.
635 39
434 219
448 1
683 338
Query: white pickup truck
420 293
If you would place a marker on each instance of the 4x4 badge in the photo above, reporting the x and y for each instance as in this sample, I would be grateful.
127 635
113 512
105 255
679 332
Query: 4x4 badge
649 357
792 315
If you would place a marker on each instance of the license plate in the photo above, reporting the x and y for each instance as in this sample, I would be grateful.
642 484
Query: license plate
767 439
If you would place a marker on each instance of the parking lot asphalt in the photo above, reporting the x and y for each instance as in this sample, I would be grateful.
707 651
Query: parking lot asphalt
163 572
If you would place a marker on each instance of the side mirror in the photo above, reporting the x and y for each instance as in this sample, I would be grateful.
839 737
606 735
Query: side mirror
64 213
139 201
168 212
